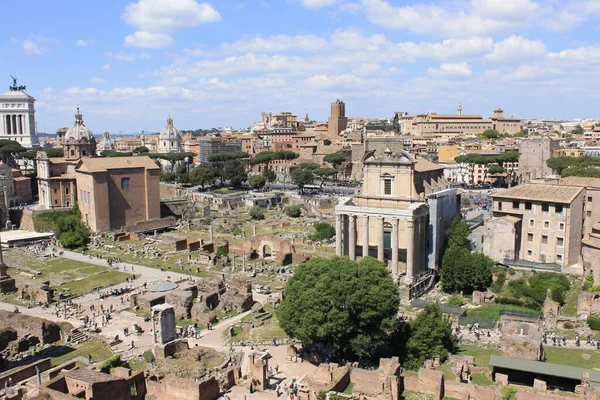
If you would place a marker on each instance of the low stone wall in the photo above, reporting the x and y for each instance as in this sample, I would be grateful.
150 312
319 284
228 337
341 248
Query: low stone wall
26 372
174 388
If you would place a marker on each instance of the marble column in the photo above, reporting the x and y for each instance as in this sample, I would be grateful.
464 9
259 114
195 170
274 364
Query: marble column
338 235
380 239
365 236
352 237
410 248
394 247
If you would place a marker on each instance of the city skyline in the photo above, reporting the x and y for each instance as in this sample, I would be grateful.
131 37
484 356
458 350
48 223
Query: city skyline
129 65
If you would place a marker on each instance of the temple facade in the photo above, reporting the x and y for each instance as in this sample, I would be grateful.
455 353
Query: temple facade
390 218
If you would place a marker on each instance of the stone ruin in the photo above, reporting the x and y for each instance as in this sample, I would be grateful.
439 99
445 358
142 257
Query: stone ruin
483 297
259 365
588 304
522 340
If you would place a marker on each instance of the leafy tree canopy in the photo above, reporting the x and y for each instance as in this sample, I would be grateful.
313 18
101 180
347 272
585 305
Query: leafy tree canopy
8 150
269 175
491 134
302 177
351 306
323 231
578 130
256 212
335 159
202 175
257 181
226 156
141 150
430 336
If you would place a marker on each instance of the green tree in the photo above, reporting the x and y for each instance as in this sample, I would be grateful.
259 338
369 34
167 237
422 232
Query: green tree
202 175
559 164
496 169
491 134
351 306
323 231
269 175
256 212
457 234
578 130
8 150
235 172
336 160
465 271
293 211
302 177
324 173
141 150
396 123
430 336
257 181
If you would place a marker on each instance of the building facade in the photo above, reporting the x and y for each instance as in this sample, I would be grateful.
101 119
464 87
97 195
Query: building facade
17 117
56 181
169 139
337 119
389 218
533 153
106 143
117 194
79 141
545 224
214 145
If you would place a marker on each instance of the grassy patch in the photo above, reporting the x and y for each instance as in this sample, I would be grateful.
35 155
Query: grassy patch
492 311
138 364
481 379
349 388
94 347
572 357
407 395
482 355
571 297
447 370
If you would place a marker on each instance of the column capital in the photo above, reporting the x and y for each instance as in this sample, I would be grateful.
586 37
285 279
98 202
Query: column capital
395 222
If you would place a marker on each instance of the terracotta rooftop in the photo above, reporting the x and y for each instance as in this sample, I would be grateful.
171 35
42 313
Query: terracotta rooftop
101 164
424 165
90 376
581 181
541 192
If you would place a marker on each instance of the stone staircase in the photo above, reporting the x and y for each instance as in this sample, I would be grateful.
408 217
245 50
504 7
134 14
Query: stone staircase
78 336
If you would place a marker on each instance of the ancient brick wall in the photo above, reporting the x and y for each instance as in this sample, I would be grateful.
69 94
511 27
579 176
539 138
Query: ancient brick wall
173 388
26 372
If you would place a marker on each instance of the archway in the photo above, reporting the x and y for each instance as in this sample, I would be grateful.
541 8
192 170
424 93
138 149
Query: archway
267 251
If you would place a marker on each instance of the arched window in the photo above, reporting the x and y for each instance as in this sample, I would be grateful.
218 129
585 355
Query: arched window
125 183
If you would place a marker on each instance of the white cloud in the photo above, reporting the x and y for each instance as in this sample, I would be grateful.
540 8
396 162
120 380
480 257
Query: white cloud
96 81
317 3
106 67
451 70
435 20
515 48
327 81
148 40
276 43
121 56
33 49
168 16
505 9
353 40
85 42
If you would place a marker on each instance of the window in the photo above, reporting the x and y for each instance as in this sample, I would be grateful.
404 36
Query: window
545 207
516 204
589 199
588 213
529 252
125 183
531 222
499 206
561 226
559 257
66 190
560 241
558 208
530 237
546 224
528 205
387 186
544 239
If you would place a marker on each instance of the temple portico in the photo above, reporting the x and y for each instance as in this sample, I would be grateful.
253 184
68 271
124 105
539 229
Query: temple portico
395 237
394 218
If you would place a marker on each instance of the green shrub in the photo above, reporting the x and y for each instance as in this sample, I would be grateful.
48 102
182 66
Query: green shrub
221 252
594 323
149 356
589 282
256 212
236 230
517 302
455 300
500 275
568 325
509 393
110 363
293 211
558 284
323 231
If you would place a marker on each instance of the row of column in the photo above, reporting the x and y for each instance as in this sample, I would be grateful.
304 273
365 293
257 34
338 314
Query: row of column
14 125
350 235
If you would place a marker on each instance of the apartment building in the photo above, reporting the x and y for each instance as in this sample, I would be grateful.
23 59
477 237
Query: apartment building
539 223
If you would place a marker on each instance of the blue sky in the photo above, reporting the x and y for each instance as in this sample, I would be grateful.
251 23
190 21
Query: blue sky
128 65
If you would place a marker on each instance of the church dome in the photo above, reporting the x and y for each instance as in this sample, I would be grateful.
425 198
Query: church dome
169 132
79 132
106 143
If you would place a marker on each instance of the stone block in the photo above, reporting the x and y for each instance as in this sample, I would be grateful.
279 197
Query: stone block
540 385
502 379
